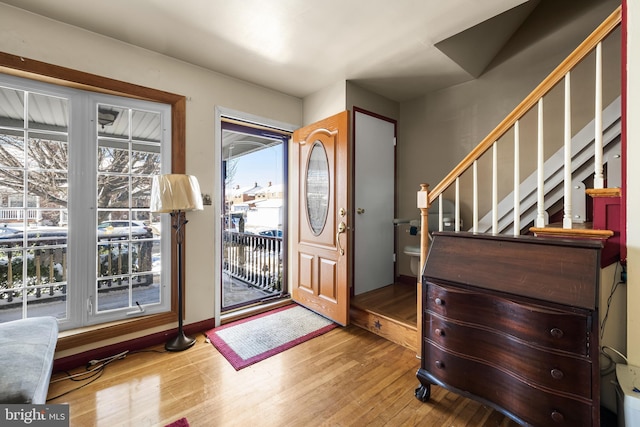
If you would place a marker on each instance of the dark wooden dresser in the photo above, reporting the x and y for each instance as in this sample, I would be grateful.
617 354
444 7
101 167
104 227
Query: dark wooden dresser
513 323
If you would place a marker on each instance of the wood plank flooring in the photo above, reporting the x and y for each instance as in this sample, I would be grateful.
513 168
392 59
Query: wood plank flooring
397 301
347 377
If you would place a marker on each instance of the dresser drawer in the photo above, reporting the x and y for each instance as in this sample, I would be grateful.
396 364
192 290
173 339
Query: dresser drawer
533 405
558 371
543 326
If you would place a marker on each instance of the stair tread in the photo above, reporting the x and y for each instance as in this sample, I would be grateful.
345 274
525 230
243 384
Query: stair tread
604 192
579 230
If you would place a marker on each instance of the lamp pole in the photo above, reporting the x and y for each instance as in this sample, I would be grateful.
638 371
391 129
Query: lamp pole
181 341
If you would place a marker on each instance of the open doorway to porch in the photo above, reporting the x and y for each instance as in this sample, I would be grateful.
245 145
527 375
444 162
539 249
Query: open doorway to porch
254 216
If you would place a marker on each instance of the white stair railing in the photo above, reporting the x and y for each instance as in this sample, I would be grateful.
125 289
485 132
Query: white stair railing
512 121
540 189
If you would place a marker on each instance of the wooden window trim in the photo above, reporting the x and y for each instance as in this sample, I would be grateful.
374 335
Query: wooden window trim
40 71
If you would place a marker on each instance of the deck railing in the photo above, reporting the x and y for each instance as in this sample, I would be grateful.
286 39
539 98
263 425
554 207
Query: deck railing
19 214
45 279
254 259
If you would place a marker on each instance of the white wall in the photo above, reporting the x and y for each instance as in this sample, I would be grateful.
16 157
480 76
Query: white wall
366 100
325 103
42 39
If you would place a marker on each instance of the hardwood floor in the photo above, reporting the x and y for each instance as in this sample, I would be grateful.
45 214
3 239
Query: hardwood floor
347 377
397 301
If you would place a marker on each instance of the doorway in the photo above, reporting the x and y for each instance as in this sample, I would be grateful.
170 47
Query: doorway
253 214
322 210
374 139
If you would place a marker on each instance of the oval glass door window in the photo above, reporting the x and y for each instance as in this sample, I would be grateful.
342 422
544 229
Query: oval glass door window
317 188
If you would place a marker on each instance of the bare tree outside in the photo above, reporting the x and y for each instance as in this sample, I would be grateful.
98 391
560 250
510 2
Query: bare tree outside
114 188
46 162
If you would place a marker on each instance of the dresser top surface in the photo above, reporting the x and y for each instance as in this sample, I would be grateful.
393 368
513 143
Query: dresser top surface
554 270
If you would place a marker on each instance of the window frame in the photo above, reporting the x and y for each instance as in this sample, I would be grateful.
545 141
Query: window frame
97 316
40 71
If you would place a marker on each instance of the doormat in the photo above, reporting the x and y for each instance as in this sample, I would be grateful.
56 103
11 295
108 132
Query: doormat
182 422
251 340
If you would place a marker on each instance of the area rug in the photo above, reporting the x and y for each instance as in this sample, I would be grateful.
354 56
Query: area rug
182 422
251 340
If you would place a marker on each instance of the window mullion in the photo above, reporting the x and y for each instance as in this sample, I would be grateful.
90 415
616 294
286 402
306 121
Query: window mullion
81 208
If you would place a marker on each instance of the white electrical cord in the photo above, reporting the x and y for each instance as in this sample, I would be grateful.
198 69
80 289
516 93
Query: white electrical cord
101 363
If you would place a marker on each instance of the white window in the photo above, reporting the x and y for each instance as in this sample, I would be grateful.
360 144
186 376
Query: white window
77 240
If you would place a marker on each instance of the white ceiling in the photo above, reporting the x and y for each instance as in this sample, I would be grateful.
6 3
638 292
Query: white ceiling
300 46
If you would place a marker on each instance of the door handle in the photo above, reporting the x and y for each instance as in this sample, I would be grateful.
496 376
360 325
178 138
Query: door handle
341 229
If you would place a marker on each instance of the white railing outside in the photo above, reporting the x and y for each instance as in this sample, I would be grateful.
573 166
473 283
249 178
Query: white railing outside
254 259
19 214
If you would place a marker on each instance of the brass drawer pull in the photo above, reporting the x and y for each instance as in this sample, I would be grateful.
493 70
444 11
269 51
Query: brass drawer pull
439 332
557 374
557 417
556 333
439 301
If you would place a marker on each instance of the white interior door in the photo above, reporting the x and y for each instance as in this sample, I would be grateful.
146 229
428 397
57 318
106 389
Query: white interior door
374 144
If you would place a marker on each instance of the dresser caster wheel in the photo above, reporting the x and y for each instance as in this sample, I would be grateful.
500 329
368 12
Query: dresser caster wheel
423 393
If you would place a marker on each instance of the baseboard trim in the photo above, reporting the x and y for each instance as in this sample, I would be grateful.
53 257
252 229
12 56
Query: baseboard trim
136 344
408 280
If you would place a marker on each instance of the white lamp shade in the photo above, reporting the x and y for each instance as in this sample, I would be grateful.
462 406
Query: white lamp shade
175 192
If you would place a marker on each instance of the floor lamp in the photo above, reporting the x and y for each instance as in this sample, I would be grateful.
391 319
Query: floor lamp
176 194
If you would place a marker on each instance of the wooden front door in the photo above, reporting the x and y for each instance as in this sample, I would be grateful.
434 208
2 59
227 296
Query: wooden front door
320 200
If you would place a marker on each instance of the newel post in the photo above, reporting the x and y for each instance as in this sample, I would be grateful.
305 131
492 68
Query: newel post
423 205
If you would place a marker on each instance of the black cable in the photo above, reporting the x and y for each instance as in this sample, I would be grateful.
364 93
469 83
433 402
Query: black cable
609 299
611 365
95 373
100 372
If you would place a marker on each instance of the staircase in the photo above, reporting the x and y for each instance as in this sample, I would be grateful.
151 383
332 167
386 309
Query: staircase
577 184
559 182
552 186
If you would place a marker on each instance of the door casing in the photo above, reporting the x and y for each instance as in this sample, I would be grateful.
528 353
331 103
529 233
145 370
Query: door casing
220 112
